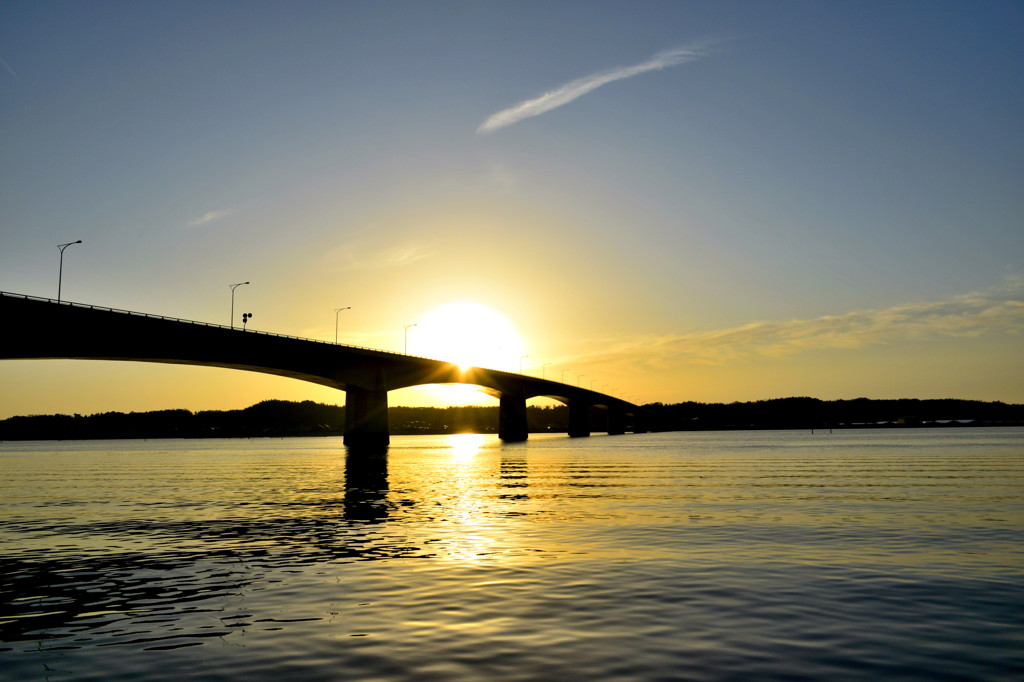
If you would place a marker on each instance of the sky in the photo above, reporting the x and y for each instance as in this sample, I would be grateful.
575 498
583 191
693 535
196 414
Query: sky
669 201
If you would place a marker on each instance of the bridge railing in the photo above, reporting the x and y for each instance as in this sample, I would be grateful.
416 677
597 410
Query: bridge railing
121 311
89 306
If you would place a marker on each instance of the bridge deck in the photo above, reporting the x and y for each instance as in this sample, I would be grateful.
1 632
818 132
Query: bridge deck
43 328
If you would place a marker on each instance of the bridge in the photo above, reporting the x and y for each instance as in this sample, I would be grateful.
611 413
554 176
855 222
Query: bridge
37 328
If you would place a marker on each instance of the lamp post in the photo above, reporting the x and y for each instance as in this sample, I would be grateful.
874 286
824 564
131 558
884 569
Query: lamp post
336 311
407 336
578 377
60 271
542 367
521 358
233 287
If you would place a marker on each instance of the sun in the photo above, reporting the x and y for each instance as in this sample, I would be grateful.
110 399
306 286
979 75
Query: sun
468 334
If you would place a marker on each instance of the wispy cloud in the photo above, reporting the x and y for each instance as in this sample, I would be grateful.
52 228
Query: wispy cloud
997 310
9 70
501 177
566 93
351 257
210 217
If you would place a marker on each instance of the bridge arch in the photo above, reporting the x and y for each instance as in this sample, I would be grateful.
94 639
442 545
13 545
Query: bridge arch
39 330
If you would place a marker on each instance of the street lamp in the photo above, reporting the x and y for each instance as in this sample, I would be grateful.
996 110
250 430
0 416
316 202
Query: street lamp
578 377
336 311
521 358
60 271
542 369
233 286
407 336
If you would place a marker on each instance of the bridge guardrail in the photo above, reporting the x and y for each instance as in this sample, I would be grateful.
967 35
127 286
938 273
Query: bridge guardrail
89 306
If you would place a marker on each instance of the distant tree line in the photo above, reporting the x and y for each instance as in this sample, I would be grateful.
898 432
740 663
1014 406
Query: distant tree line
801 413
283 418
269 418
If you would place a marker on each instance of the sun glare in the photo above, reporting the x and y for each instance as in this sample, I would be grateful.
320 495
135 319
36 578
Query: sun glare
468 334
466 445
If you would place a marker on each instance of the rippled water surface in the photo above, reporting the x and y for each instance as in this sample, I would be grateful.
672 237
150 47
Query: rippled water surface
891 554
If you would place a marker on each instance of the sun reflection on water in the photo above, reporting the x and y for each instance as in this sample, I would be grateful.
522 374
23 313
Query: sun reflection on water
471 539
466 445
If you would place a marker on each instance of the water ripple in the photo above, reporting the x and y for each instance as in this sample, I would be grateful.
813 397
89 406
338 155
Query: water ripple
668 556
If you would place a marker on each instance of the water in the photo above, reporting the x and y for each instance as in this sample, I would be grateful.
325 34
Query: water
857 555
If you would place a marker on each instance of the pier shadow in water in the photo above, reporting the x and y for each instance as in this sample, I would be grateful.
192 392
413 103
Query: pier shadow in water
513 477
366 485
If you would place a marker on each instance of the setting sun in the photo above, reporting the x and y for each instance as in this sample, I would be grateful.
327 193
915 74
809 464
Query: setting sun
468 334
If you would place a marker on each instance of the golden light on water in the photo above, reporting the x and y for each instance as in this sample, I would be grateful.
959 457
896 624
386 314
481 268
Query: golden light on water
466 445
474 539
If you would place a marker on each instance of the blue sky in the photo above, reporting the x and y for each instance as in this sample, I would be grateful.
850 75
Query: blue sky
803 198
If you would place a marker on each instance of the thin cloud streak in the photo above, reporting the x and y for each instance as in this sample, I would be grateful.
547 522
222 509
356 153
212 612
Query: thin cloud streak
996 311
581 86
9 69
391 257
210 217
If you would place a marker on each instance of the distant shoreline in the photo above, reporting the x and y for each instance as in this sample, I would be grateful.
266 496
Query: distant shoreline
275 418
339 434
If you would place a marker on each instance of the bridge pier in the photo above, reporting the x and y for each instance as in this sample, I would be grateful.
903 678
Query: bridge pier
579 419
616 421
512 417
366 418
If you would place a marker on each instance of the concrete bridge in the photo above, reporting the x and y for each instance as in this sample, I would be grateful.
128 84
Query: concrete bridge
43 328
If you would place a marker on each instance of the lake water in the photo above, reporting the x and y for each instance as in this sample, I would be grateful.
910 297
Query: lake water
855 555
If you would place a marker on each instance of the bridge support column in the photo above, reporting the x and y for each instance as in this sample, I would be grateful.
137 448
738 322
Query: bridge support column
579 419
512 417
366 418
616 421
639 422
